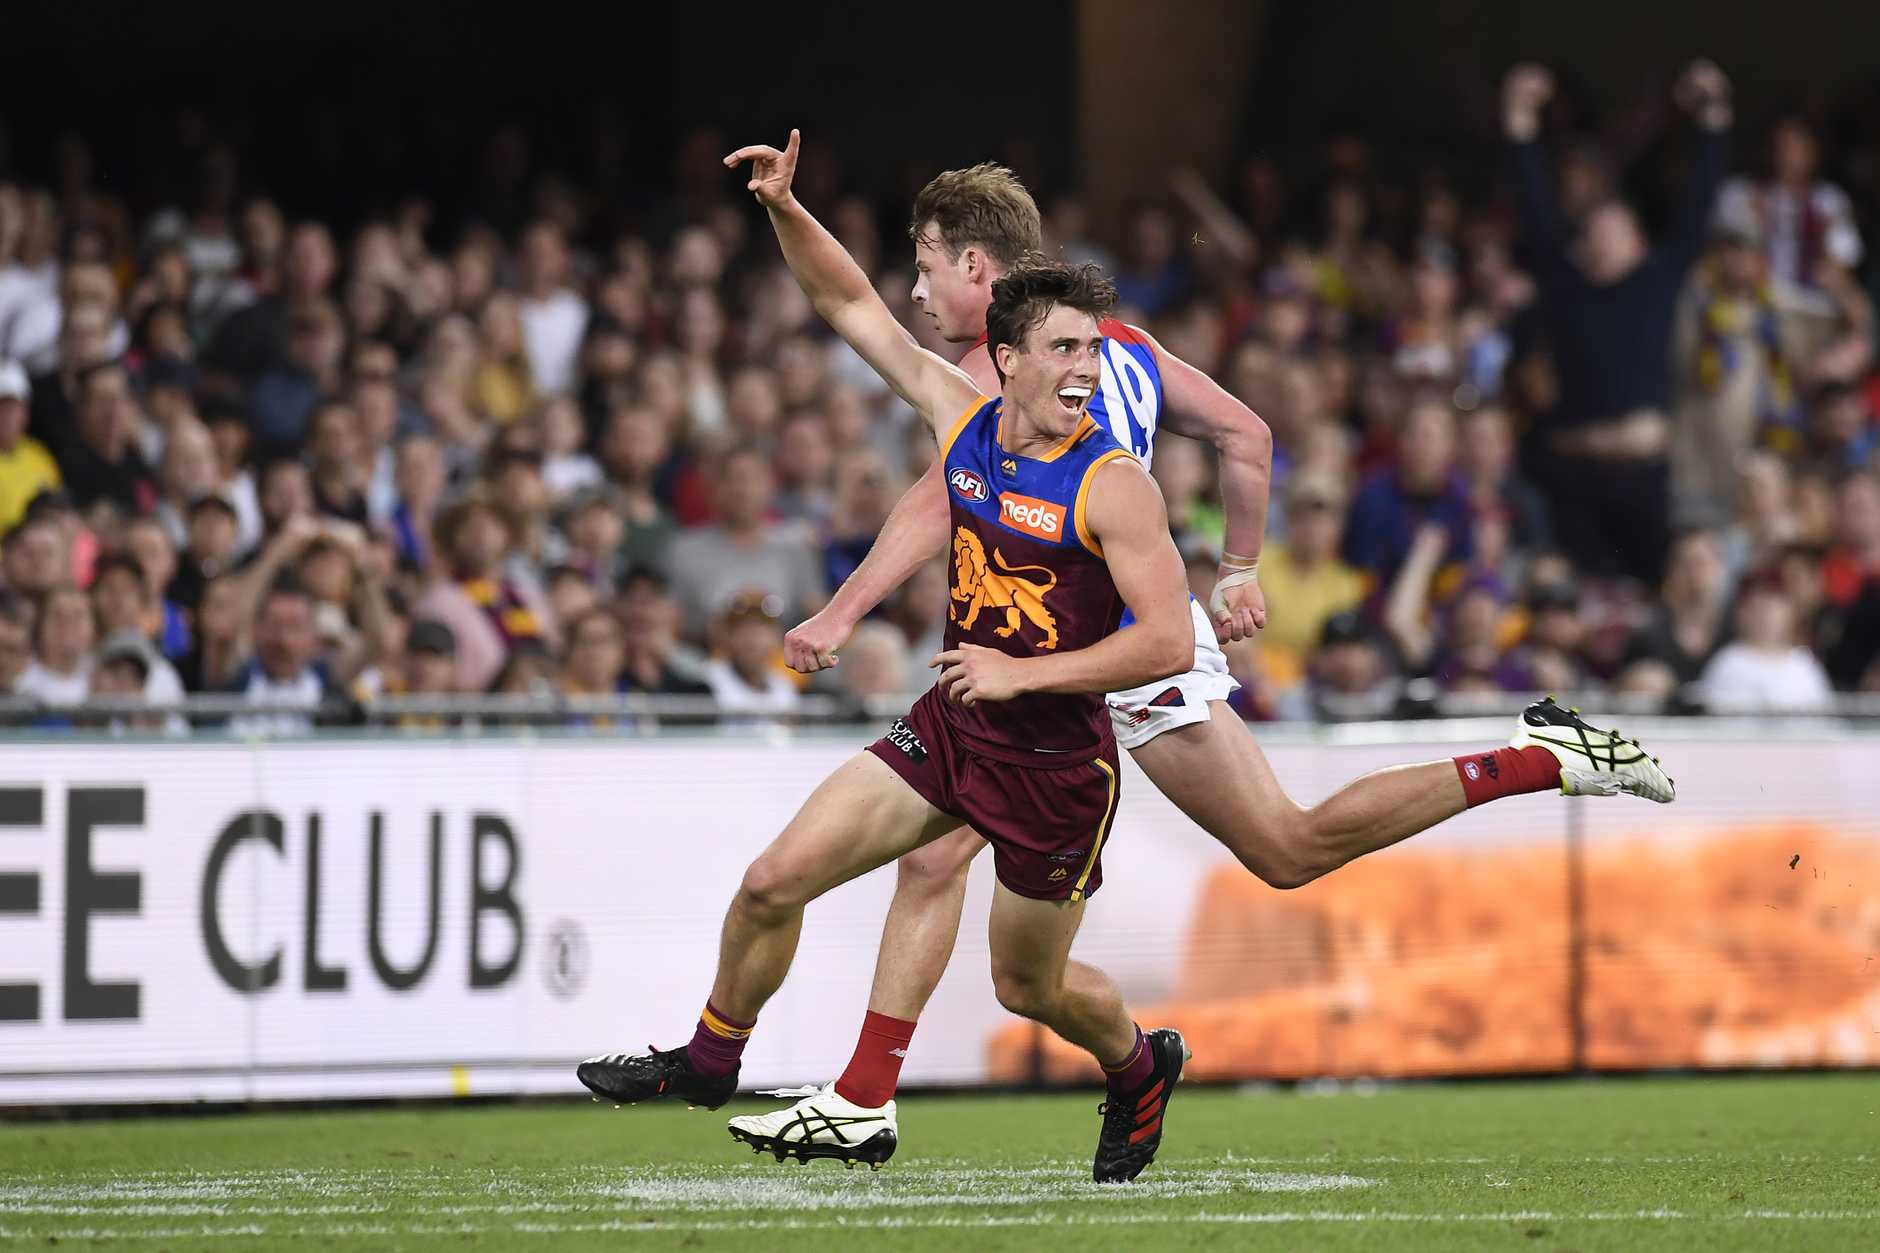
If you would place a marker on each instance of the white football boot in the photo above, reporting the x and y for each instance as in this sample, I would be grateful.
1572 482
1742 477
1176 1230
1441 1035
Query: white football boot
1592 762
822 1124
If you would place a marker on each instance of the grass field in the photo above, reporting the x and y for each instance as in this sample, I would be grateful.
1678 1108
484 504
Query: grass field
1788 1162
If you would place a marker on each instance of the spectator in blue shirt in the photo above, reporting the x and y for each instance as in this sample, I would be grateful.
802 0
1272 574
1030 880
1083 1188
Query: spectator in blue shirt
1422 487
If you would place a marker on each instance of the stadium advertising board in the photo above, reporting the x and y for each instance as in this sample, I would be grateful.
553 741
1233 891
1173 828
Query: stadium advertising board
344 919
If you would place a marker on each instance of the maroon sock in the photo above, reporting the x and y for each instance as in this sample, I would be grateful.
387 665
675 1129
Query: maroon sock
1132 1073
1507 772
876 1067
718 1043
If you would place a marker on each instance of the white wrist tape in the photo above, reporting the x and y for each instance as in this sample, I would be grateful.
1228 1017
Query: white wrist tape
1217 603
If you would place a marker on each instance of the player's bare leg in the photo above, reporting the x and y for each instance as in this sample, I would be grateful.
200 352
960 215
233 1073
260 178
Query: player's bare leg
861 817
923 923
1215 773
1034 977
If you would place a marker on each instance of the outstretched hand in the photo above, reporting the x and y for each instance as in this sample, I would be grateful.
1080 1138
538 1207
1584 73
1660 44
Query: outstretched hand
771 171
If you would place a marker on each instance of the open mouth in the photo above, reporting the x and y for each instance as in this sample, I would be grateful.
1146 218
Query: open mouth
1073 398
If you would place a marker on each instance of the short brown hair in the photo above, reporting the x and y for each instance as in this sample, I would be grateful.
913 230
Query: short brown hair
1025 297
984 205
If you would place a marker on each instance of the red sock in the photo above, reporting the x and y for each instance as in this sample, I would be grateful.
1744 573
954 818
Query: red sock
1130 1074
1507 772
876 1067
718 1043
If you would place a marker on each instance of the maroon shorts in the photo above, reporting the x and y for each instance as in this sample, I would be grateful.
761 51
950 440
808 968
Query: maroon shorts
1046 824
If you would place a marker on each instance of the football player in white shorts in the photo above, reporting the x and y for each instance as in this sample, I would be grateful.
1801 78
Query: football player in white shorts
968 227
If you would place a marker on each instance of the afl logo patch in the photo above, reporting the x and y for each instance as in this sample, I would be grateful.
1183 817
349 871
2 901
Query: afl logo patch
968 484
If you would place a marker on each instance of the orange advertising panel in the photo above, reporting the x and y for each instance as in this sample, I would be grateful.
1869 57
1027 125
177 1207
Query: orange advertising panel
1738 945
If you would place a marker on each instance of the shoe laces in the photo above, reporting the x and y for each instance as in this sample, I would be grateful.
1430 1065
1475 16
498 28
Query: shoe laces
807 1090
677 1058
1119 1117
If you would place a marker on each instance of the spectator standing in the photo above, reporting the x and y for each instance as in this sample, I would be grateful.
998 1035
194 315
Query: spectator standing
1607 303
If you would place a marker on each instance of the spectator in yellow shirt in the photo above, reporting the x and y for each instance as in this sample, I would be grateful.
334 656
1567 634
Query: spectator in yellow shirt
26 468
1304 579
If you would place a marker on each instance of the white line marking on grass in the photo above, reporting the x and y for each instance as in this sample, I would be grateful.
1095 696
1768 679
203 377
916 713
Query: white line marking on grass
933 1222
775 1190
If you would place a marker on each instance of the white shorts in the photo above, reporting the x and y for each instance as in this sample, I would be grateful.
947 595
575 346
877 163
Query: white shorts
1142 713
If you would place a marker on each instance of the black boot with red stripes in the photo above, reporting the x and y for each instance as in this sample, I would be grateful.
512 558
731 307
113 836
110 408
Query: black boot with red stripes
1132 1122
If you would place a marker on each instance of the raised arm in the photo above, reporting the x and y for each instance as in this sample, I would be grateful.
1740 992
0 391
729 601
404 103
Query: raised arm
1524 94
1704 93
843 296
1202 409
1125 514
915 533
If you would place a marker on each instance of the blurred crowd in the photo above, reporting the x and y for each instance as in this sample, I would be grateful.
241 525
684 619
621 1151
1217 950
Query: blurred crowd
1523 441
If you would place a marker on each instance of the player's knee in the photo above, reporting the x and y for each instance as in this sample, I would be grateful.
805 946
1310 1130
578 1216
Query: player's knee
1283 851
769 894
1023 993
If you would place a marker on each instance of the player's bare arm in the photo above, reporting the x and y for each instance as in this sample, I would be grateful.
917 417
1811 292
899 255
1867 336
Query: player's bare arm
1126 515
1202 409
845 299
915 533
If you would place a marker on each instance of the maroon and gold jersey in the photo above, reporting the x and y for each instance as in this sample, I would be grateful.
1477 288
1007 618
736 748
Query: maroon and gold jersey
1028 578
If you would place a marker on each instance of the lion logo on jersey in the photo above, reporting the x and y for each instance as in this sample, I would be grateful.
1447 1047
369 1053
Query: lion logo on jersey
978 585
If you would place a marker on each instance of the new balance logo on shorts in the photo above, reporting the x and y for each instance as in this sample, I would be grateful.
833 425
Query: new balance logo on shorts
902 737
1135 715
